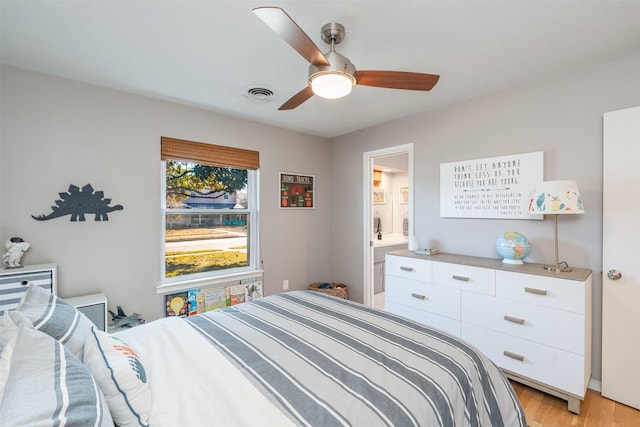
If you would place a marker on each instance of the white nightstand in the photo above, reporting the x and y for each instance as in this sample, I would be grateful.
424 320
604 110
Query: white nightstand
93 306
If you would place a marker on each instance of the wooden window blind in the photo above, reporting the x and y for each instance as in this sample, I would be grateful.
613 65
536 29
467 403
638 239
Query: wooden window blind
208 154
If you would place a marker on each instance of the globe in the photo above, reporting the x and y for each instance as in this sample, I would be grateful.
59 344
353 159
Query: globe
513 247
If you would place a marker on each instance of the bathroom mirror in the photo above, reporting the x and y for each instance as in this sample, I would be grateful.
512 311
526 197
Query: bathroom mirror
388 214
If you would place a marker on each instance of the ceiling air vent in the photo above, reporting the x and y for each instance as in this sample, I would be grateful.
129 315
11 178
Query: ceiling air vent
260 94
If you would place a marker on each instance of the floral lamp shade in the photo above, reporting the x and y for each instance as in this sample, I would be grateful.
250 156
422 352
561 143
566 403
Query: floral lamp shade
556 197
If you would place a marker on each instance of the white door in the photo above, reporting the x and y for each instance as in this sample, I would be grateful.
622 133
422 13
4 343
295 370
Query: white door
621 257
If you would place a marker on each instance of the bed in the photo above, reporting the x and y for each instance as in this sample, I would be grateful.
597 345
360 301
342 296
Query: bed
295 358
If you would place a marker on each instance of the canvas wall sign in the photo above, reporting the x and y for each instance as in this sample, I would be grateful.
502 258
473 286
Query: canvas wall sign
495 187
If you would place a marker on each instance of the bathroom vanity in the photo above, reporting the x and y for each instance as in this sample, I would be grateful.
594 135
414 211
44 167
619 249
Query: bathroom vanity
389 242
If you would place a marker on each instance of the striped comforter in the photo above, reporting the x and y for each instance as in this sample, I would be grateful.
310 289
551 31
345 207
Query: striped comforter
324 361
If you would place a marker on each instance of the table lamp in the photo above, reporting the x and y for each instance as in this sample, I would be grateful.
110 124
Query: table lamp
556 198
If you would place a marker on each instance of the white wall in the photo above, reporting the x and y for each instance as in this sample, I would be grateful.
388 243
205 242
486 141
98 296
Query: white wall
560 115
56 132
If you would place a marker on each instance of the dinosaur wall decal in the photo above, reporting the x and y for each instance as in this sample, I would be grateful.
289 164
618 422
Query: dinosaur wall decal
80 201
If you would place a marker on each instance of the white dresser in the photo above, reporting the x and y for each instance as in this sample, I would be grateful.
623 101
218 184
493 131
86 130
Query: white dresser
534 324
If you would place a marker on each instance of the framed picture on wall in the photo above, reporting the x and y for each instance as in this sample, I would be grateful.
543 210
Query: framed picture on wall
404 195
378 197
296 191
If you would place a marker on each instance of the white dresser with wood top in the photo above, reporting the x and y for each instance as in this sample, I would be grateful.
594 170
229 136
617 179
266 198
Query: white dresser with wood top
533 323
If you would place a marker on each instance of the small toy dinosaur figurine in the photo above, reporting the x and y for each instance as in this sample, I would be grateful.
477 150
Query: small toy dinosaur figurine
121 320
78 202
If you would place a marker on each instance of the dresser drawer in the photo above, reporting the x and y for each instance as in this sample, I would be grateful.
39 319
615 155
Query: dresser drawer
423 296
547 365
13 283
409 268
465 277
431 320
541 290
555 328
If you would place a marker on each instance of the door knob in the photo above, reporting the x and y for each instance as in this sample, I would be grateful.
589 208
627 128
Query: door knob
614 275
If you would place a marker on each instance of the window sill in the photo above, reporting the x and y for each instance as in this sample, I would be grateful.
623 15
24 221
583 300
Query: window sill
183 285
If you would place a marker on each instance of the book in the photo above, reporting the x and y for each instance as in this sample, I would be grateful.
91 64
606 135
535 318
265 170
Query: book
427 251
214 299
252 291
193 302
200 301
236 294
177 304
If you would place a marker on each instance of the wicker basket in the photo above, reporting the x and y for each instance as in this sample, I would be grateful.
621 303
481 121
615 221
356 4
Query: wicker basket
339 290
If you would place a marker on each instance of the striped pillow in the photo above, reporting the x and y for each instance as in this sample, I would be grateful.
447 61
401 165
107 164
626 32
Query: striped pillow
42 383
56 317
121 375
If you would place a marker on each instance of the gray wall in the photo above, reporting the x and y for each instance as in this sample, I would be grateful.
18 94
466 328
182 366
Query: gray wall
560 115
56 132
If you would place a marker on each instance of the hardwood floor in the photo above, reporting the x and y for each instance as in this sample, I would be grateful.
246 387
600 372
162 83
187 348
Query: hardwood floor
544 410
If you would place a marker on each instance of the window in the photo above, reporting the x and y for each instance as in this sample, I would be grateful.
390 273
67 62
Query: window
209 210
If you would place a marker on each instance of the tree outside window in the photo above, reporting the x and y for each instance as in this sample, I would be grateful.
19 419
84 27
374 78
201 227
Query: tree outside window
208 216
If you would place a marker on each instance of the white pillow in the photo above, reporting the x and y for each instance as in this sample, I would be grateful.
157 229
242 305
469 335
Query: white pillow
121 376
42 383
55 317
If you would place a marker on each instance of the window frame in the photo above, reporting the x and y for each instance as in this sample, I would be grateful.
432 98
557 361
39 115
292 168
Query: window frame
187 281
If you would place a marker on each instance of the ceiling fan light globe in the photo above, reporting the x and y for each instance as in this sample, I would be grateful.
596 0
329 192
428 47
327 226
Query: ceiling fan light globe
331 84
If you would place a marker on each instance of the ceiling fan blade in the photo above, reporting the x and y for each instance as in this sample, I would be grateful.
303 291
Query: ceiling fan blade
297 99
282 24
396 79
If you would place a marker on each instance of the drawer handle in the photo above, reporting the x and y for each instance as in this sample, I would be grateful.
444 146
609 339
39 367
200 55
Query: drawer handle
402 267
535 291
419 296
515 356
24 282
462 278
513 319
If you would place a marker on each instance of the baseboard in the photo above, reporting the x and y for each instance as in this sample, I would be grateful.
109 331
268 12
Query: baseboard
595 385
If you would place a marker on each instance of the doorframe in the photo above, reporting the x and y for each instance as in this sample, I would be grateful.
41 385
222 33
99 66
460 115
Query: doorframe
367 209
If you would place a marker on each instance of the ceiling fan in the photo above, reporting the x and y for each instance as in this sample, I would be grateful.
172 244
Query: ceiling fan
332 75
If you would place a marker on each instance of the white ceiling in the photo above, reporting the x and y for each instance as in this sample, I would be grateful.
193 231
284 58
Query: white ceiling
208 53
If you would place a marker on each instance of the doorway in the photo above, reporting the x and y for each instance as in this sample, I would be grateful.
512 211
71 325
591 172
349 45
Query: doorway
397 223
